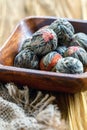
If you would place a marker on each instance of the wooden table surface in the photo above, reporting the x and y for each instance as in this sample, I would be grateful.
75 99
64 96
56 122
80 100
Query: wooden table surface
72 106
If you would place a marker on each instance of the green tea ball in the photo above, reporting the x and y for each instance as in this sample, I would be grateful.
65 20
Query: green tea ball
25 44
61 50
26 59
69 65
64 30
43 41
61 21
49 61
77 52
79 39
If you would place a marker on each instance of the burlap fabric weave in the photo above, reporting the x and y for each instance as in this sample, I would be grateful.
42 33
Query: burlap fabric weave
19 112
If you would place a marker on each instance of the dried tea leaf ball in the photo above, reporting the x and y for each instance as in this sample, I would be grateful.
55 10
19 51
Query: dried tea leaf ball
43 41
65 35
49 61
25 44
77 52
26 59
79 39
64 30
69 65
61 21
61 50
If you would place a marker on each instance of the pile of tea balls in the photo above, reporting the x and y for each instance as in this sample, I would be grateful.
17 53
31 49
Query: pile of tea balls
55 48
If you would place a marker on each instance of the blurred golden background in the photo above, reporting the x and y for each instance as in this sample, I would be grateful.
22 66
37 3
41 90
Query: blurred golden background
11 12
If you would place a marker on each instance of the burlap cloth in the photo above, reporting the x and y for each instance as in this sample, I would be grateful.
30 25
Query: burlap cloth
28 109
72 106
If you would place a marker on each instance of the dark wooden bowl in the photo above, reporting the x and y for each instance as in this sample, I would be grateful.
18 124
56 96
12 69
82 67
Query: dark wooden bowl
43 80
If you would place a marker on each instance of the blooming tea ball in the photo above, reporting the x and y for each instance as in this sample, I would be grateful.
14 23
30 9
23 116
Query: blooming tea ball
69 65
61 50
49 61
43 41
26 59
25 44
77 52
61 21
64 30
79 39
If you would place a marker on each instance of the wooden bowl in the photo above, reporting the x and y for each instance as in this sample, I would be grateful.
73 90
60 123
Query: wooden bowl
43 80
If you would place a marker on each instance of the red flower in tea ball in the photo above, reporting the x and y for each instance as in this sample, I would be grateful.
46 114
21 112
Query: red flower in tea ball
71 50
49 61
77 52
47 36
43 41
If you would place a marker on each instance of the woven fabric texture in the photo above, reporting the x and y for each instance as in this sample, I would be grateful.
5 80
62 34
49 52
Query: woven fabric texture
39 114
